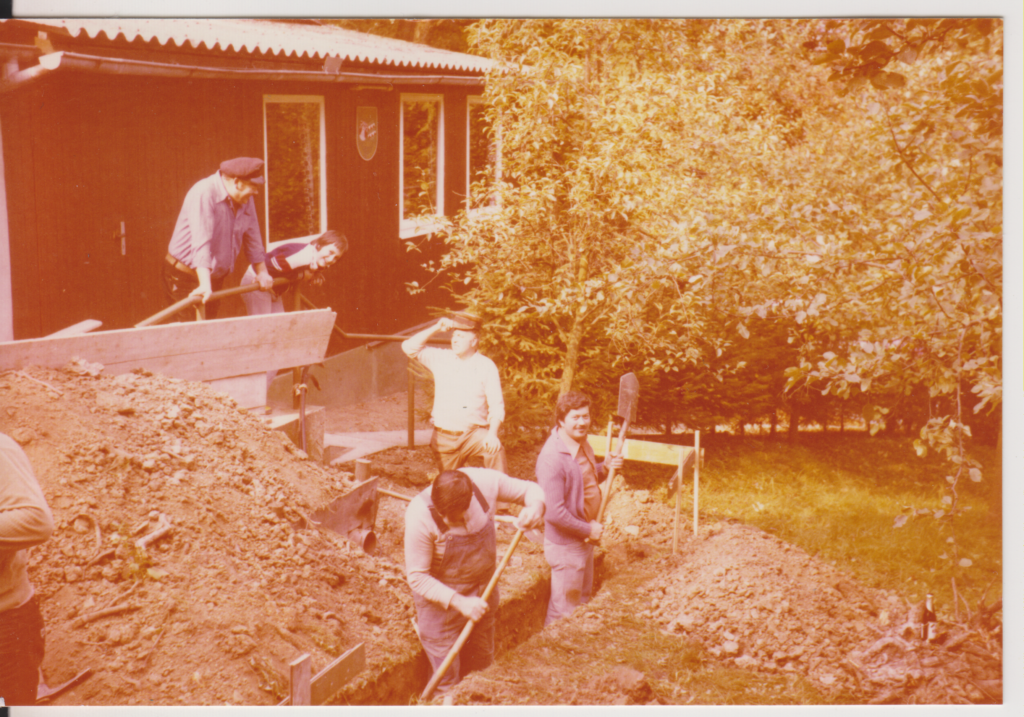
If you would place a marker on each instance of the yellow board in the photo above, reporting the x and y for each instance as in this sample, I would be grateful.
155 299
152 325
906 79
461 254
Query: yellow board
645 451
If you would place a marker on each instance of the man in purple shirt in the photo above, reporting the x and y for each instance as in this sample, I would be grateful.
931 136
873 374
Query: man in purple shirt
570 475
217 220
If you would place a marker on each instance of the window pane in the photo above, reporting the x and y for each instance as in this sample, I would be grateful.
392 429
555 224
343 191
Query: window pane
481 154
420 127
293 169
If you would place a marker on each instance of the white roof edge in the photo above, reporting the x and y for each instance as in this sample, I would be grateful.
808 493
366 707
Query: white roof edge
268 36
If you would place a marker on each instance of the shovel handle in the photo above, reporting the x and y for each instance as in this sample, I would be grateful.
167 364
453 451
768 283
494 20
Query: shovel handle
611 474
190 300
443 668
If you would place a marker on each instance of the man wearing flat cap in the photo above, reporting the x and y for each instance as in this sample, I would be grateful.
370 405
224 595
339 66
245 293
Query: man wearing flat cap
217 220
468 405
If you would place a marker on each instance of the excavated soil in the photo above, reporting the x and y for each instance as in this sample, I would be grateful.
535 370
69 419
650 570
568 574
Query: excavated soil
213 610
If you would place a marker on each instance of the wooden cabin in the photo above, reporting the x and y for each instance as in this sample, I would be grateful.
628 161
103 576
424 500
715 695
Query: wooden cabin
106 123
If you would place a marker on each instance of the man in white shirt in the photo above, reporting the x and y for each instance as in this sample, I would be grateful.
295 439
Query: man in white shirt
468 405
450 556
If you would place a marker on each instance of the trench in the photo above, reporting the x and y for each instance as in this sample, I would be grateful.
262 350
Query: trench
520 616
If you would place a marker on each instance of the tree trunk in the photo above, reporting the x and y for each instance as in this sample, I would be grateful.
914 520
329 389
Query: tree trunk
572 355
794 422
572 347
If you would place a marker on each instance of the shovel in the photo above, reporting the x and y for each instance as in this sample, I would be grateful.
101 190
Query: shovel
629 390
429 690
45 693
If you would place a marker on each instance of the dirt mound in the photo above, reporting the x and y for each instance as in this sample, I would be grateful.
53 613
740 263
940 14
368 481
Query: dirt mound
743 598
766 605
214 608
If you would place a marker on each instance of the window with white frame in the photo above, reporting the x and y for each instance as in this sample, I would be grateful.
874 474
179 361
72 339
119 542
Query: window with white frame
483 157
421 175
295 194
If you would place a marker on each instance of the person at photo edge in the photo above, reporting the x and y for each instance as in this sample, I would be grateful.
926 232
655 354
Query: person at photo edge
25 521
217 221
290 261
570 476
468 404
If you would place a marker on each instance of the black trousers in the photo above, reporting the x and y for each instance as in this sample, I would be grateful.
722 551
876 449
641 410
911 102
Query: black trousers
21 653
178 284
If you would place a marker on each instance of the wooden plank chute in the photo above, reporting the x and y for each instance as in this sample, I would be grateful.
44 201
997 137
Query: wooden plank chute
195 351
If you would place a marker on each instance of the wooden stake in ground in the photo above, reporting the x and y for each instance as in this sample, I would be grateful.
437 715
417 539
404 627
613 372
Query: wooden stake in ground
696 477
679 502
301 680
432 685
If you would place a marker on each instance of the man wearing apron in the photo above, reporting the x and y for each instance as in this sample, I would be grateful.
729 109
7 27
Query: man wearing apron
450 556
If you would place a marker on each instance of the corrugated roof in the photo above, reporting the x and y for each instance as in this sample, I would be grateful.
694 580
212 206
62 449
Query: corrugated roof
278 38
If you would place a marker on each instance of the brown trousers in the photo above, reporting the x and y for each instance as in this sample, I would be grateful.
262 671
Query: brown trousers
452 452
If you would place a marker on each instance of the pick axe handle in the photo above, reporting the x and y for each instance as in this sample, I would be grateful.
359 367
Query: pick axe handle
432 685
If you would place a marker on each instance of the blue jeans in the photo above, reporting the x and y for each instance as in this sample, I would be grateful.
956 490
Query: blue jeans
572 577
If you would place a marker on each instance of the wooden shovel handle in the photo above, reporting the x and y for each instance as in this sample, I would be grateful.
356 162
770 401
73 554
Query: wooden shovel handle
190 300
611 474
432 685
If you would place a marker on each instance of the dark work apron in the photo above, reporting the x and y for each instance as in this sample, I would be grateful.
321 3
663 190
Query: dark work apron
467 566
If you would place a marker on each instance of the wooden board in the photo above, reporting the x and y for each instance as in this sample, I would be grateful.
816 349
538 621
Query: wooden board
328 681
336 675
301 680
356 510
316 421
249 391
644 451
196 351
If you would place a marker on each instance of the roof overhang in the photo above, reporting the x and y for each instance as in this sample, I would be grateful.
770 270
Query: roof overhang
120 66
263 40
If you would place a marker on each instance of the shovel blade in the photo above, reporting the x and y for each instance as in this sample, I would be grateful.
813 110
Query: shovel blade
629 391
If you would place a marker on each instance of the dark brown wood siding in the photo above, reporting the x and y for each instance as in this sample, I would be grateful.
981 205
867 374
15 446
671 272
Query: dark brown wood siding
84 152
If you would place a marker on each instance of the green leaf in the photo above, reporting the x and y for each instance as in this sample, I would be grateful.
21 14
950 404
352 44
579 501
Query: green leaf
876 49
908 55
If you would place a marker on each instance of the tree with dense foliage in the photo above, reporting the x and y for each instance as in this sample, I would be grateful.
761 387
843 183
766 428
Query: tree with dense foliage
675 196
922 250
584 260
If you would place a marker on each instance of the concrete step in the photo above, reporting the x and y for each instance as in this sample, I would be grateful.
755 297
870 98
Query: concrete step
363 444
